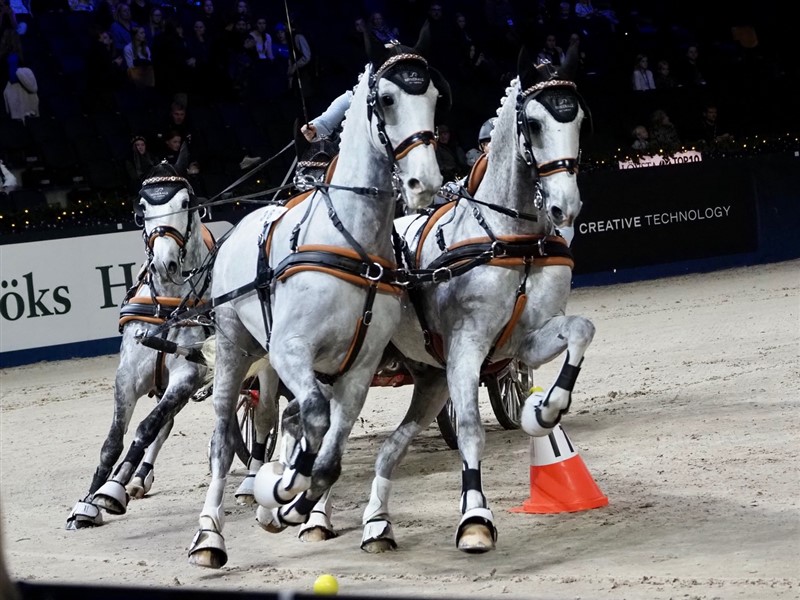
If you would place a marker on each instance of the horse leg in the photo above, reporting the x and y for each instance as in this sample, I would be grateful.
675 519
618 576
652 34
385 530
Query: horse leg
265 416
265 482
542 412
113 495
142 481
349 393
430 395
278 483
208 546
86 513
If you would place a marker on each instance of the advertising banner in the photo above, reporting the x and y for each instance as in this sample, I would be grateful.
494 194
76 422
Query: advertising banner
639 217
68 290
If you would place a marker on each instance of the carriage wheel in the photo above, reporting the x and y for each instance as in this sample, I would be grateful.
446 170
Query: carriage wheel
245 411
507 392
448 424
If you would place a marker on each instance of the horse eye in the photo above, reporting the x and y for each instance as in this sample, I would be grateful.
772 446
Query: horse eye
387 100
534 127
185 204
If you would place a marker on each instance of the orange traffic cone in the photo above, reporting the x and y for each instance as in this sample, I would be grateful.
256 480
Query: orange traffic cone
560 481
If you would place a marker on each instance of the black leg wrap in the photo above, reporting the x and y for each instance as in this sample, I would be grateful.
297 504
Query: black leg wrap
259 450
568 375
304 462
144 469
470 481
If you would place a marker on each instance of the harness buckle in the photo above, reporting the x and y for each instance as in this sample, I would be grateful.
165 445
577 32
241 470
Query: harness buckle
402 278
542 243
367 273
499 249
441 275
367 318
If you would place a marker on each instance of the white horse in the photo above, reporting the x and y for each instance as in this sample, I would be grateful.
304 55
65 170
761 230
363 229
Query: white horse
172 278
314 286
498 280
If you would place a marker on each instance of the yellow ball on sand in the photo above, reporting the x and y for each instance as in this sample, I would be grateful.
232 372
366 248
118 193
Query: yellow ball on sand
326 585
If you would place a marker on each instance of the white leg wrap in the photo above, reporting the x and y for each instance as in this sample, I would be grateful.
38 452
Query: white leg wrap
481 516
84 514
320 515
378 505
214 507
268 489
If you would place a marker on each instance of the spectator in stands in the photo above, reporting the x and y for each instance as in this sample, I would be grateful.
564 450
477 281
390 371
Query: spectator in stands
139 165
451 158
22 14
176 150
663 76
106 73
21 91
122 28
692 71
8 20
641 139
139 60
177 121
550 52
382 30
262 40
663 132
240 12
203 62
642 79
708 131
81 5
171 60
140 11
215 24
154 25
8 181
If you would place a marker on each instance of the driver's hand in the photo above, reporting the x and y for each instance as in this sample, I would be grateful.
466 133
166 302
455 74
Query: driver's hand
309 132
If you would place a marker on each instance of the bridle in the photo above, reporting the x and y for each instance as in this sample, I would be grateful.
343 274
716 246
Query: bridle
161 186
374 108
546 169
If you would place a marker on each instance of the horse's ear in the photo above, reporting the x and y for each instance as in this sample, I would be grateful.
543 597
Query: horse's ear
569 68
376 53
528 74
423 44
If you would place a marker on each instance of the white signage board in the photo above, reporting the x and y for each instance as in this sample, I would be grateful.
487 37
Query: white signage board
68 290
658 160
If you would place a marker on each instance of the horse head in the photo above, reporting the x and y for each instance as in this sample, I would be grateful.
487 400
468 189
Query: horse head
404 96
549 116
164 211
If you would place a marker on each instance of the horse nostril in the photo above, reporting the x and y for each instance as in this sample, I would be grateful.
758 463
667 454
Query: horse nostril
558 214
413 184
172 267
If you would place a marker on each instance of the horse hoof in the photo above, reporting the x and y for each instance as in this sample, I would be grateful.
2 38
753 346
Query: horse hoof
135 490
210 559
316 534
112 498
139 487
475 539
267 520
379 546
378 536
208 549
245 500
244 494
